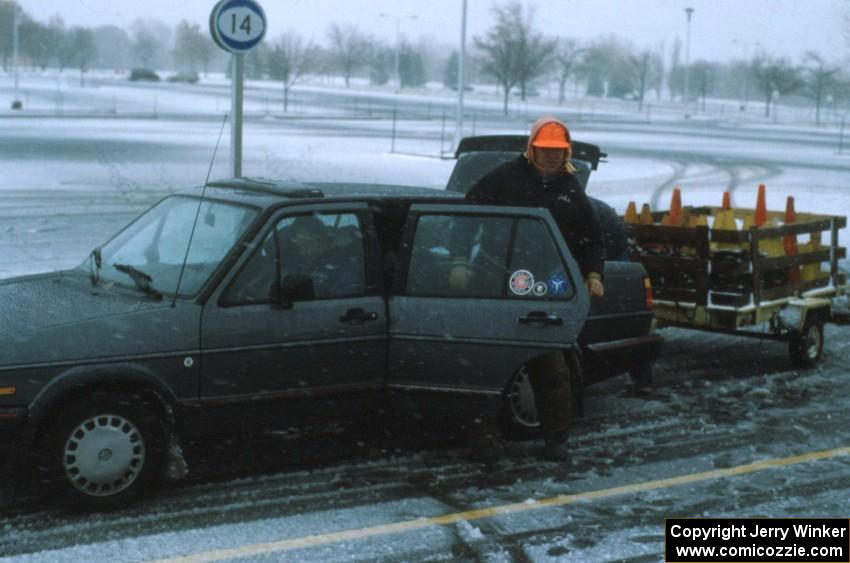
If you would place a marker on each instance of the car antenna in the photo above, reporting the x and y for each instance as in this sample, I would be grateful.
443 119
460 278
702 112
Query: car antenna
197 213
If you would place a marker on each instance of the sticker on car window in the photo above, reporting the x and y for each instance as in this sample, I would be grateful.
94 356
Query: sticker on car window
557 284
540 289
521 282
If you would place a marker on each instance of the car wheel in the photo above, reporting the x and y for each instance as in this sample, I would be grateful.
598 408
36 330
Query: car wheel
521 410
806 347
103 453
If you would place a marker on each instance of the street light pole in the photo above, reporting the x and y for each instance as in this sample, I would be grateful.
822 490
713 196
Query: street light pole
15 23
688 13
461 82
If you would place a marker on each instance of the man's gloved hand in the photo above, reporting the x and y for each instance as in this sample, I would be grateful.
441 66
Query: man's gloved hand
594 286
459 276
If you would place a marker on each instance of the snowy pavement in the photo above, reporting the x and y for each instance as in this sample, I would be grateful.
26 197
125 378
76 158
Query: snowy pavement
720 402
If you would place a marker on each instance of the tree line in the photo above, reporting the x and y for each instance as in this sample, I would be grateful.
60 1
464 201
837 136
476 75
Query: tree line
512 54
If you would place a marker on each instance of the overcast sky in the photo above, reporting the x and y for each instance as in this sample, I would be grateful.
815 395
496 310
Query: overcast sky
720 29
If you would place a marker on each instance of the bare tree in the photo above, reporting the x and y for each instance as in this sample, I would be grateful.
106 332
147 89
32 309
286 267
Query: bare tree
774 77
511 51
191 47
150 40
819 80
114 48
81 49
289 60
349 49
702 74
644 69
535 50
566 58
676 79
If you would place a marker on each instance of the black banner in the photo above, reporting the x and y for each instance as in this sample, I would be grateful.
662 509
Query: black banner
757 540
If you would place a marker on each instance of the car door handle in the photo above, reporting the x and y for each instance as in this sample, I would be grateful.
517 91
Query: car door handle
541 317
358 316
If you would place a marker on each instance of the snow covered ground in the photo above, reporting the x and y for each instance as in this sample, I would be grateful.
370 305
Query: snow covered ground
720 402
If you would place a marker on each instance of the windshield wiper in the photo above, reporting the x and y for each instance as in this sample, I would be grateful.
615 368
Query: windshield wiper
95 267
142 280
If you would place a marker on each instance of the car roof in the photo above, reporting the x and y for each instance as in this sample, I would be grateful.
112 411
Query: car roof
264 191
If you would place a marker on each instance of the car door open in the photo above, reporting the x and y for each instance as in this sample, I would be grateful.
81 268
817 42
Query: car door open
481 291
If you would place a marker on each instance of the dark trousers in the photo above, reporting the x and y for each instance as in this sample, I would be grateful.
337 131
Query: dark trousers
549 376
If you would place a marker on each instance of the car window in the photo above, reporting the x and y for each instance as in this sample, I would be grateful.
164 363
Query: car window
505 257
327 248
536 267
156 243
255 283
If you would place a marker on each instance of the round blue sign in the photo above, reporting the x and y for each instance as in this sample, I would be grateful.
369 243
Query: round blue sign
237 25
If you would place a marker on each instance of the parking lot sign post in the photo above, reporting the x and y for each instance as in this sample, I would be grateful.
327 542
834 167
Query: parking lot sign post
237 26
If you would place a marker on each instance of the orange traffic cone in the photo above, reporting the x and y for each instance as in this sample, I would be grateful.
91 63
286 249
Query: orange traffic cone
789 242
646 215
761 208
631 215
674 217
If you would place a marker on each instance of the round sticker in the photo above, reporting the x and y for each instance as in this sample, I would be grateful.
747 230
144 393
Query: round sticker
521 282
557 284
540 289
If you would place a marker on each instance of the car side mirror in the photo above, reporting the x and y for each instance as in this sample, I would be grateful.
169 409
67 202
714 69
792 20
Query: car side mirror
294 287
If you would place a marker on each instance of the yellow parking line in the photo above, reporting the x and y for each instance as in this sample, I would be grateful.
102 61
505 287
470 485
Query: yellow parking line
560 500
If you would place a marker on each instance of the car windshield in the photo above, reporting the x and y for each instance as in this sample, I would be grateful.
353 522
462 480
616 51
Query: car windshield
154 245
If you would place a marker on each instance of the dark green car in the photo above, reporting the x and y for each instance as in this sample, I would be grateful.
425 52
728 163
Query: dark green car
291 301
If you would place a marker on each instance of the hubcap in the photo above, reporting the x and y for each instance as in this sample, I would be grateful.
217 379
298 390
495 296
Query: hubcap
521 399
104 455
813 340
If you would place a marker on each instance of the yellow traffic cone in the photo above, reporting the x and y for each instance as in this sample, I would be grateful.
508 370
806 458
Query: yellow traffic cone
631 216
645 215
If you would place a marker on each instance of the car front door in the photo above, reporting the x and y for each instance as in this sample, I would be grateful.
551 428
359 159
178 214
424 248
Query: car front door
520 295
328 340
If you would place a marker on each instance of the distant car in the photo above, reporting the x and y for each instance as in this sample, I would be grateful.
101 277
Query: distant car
144 74
190 77
297 303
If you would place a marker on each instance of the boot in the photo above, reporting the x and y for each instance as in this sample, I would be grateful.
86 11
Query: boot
486 449
555 450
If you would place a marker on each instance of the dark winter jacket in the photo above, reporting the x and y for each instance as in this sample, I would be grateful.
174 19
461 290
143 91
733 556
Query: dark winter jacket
518 183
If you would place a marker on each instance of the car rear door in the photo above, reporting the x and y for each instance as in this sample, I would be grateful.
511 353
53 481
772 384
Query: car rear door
524 297
325 345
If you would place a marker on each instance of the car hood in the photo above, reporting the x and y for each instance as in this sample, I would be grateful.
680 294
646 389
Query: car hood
60 317
36 302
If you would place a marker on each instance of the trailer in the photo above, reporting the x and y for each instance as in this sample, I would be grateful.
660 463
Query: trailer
756 282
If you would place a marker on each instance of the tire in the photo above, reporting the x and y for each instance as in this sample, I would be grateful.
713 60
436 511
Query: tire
519 418
805 348
104 452
520 411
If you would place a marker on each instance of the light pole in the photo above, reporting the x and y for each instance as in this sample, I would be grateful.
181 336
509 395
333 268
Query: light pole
397 19
16 103
688 13
461 82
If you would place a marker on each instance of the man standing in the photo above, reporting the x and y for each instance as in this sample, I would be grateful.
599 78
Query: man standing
542 177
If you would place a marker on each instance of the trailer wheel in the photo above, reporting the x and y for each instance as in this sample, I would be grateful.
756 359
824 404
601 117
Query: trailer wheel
806 347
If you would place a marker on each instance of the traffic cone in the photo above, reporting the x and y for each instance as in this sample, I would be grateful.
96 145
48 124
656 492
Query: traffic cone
645 215
631 216
789 242
674 217
812 271
761 208
727 201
